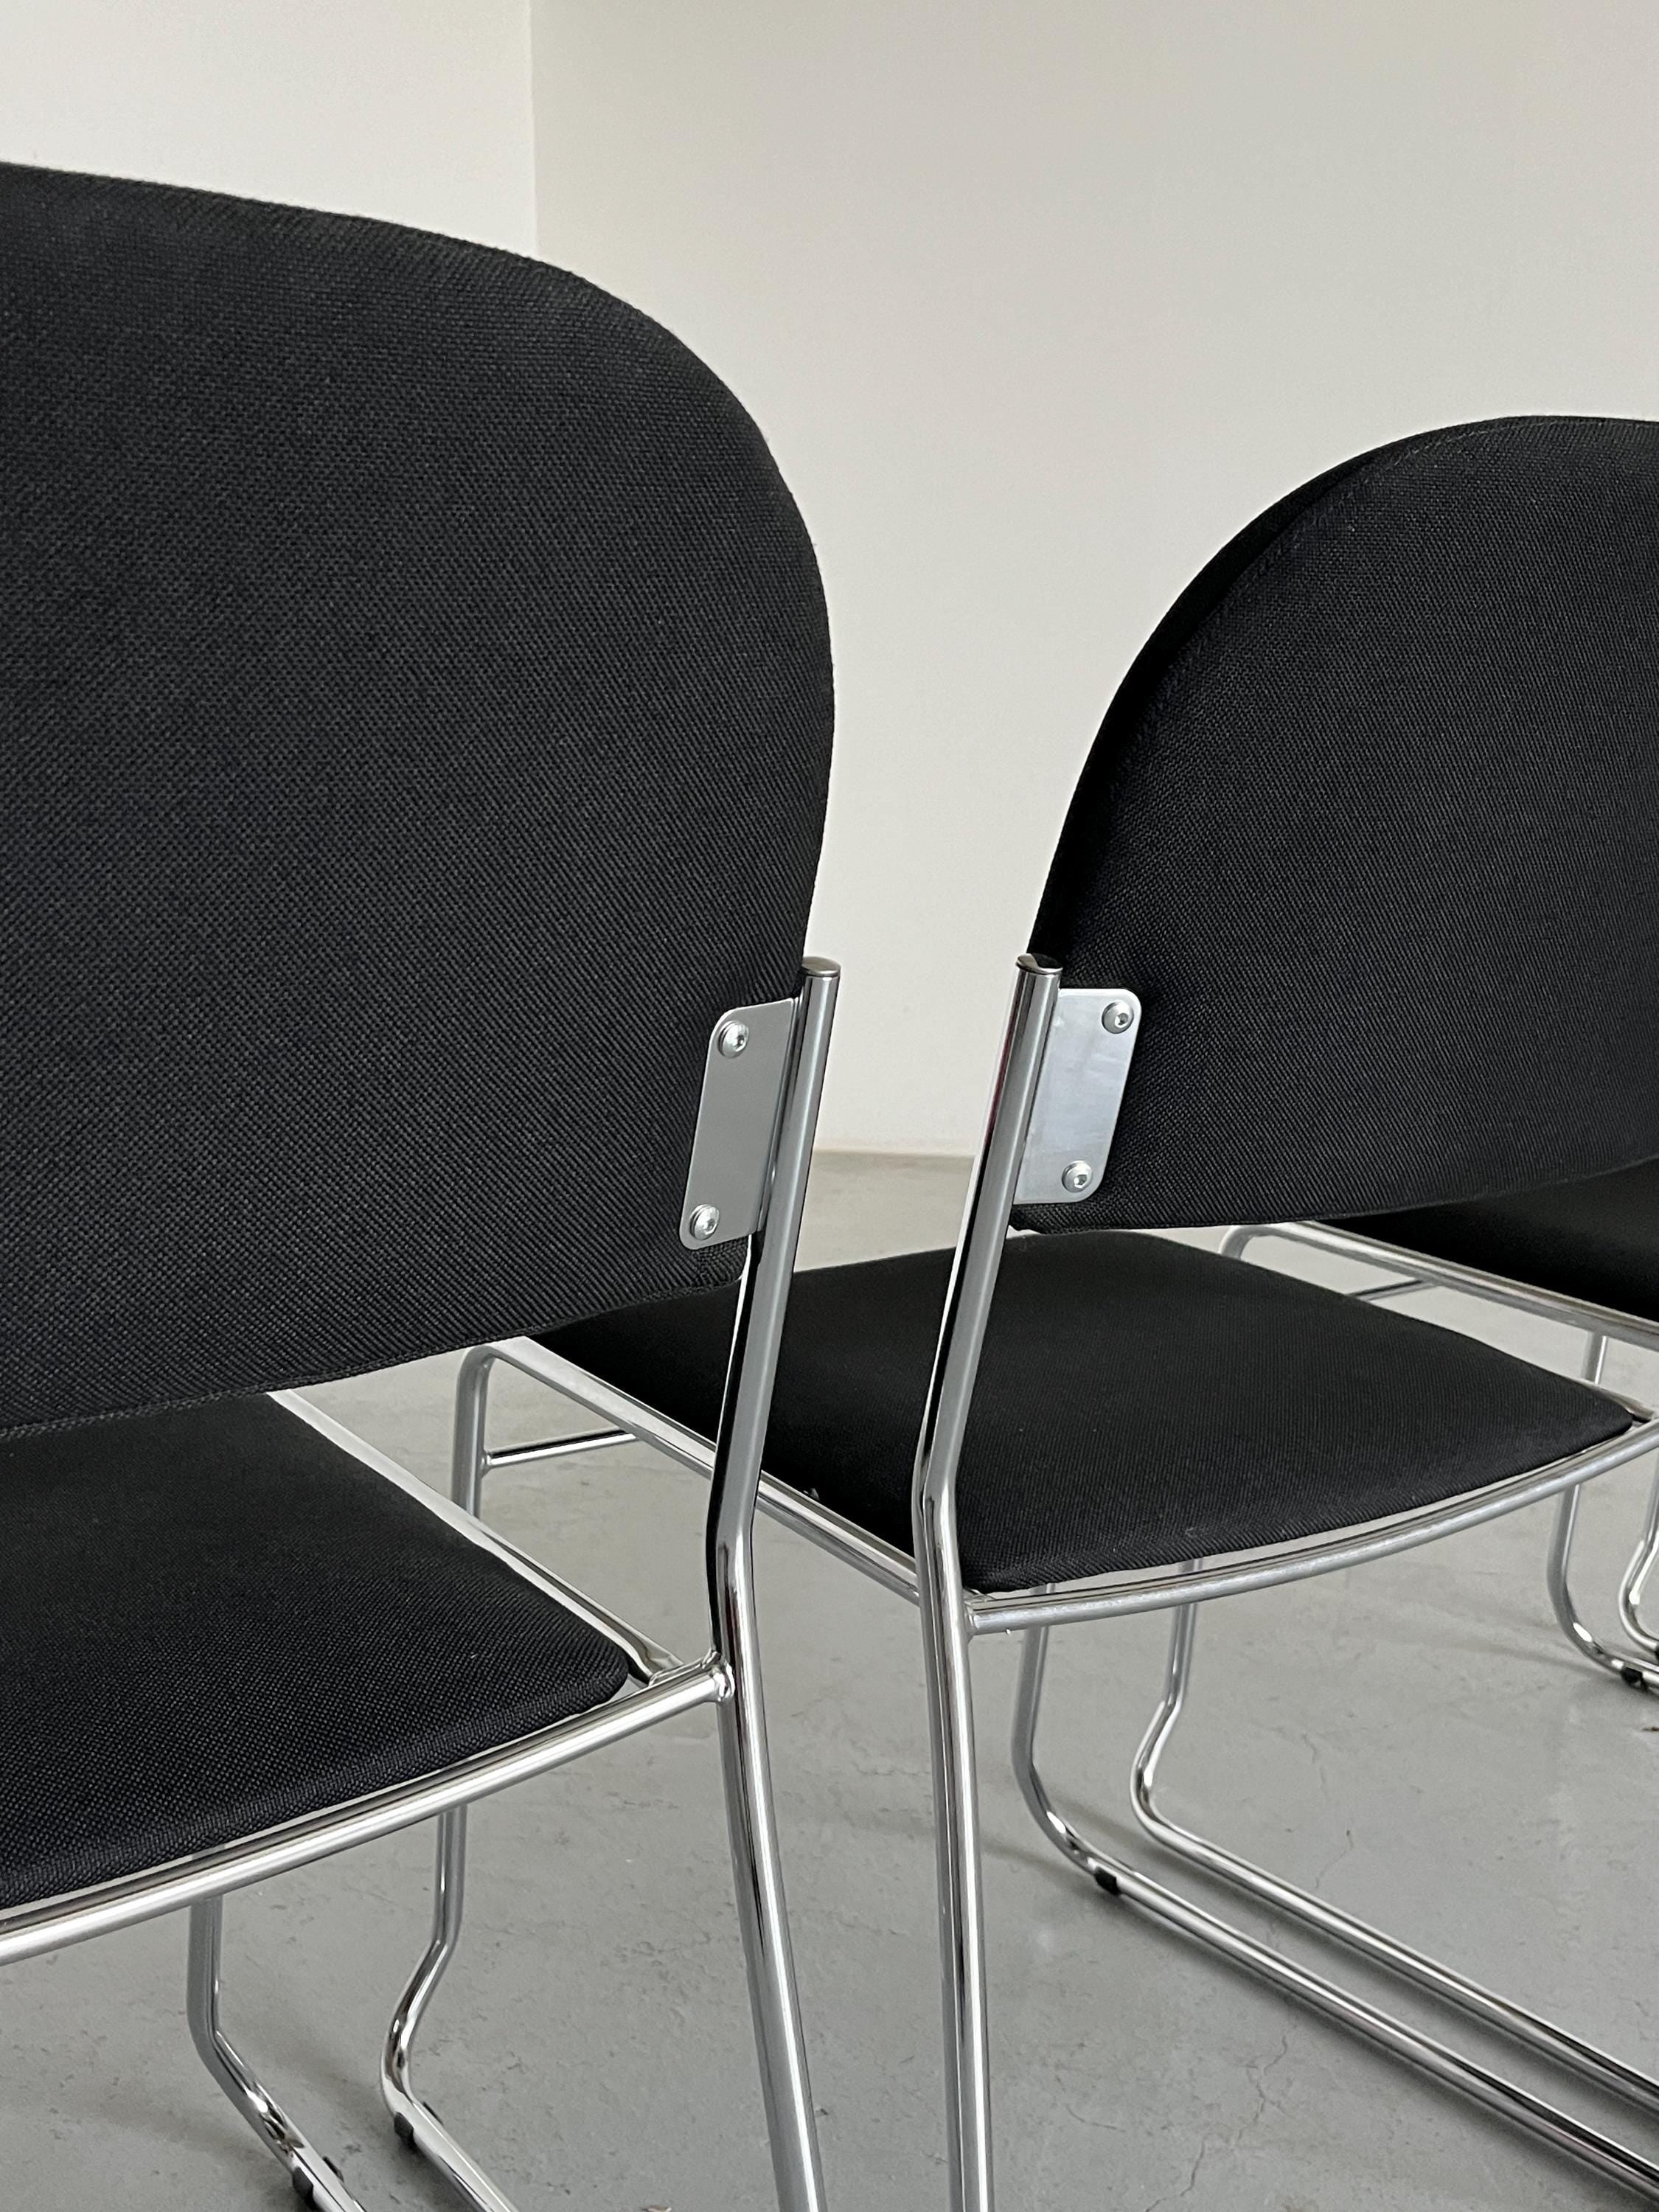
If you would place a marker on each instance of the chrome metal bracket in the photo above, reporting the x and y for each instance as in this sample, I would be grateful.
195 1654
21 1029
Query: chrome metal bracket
737 1120
1091 1041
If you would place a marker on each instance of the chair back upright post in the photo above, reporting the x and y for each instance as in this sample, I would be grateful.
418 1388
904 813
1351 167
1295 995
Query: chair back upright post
945 1625
763 1303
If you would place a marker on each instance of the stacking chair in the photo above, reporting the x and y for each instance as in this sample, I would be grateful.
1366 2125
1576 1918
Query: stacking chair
1584 1253
416 702
1347 915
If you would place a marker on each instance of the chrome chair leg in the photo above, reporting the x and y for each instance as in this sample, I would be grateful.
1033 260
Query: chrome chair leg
1637 1672
316 2180
417 2125
735 1476
1497 2012
1625 1665
960 1894
1635 1575
1119 1878
1099 1866
758 1877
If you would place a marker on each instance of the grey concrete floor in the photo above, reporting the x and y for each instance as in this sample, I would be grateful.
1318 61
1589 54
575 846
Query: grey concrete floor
1415 1740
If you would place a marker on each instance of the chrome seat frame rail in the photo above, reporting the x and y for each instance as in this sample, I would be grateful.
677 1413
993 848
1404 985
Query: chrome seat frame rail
1635 1662
955 1616
660 1688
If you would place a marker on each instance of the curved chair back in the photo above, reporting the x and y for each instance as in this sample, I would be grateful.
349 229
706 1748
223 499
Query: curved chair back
1370 828
416 699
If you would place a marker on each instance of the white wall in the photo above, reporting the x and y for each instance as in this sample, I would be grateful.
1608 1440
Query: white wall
1037 302
416 110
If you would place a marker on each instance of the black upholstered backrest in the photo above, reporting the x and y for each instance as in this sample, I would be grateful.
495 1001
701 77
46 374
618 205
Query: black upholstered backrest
1372 827
415 709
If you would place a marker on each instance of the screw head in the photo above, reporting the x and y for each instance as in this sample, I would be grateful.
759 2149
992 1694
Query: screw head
705 1220
1078 1176
732 1038
1117 1014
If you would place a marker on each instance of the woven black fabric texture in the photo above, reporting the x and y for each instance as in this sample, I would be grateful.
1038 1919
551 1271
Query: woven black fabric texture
1139 1403
1369 826
1598 1239
415 692
215 1620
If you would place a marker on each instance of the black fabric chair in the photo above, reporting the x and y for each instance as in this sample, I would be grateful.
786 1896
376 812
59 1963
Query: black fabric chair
1373 795
384 622
1583 1253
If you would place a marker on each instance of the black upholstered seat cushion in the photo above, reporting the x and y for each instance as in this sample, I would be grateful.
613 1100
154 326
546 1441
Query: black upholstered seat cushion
216 1620
1597 1239
1139 1403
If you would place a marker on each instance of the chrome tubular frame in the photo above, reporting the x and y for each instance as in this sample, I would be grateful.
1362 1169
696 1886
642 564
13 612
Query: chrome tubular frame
316 2180
757 1866
953 1616
947 1629
662 1688
1118 1878
1625 1665
1497 2012
1636 1576
1601 1326
732 1463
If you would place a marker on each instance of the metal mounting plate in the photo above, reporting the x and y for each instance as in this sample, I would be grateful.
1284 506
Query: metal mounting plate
1085 1070
741 1092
